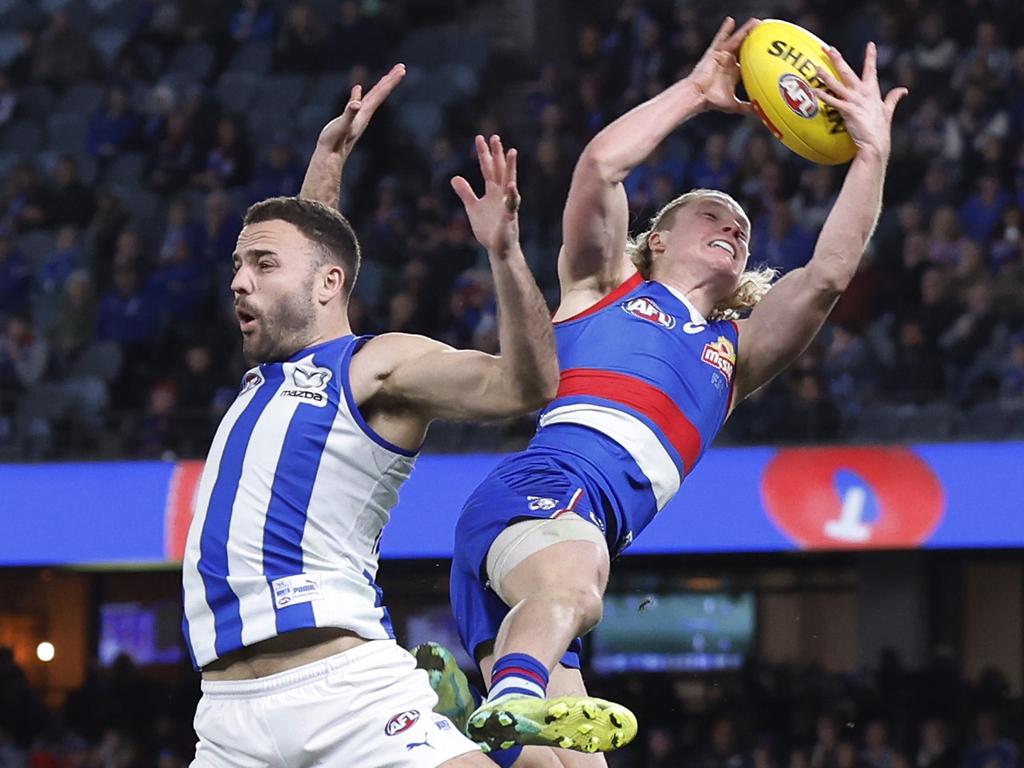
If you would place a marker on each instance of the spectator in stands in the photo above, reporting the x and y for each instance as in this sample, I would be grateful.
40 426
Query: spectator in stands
180 227
175 156
1013 373
23 206
63 55
301 41
980 215
253 22
722 751
713 169
19 68
8 99
877 752
824 753
125 316
229 161
991 750
69 201
55 267
935 750
178 286
278 173
24 359
74 327
15 278
782 243
356 38
114 127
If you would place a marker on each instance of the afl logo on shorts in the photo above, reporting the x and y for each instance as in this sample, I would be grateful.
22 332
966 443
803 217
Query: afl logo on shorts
853 498
798 95
401 722
646 309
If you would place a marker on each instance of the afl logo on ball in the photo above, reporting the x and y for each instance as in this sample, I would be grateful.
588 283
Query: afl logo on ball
853 498
646 309
798 95
401 722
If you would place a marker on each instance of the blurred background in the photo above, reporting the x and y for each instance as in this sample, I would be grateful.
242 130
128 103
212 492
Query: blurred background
856 604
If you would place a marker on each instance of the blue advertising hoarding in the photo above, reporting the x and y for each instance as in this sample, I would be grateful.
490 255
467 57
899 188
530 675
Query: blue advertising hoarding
737 500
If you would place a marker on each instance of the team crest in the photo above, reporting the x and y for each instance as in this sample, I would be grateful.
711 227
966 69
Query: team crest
720 355
645 309
252 380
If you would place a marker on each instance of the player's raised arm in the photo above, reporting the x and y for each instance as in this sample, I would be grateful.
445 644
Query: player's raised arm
596 218
438 381
323 176
786 320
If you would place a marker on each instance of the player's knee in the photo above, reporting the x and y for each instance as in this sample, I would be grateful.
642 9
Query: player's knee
588 607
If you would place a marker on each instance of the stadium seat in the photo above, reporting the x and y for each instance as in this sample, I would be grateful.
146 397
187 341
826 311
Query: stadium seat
368 283
49 6
80 99
330 91
109 41
143 206
251 57
421 120
879 422
36 244
281 93
23 14
462 79
35 101
986 421
67 132
8 47
102 360
23 137
102 7
930 422
195 60
236 90
126 169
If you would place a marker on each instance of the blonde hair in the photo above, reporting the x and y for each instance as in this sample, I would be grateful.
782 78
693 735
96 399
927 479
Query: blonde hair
753 284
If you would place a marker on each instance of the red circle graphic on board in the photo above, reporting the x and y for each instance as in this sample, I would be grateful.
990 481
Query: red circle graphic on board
852 498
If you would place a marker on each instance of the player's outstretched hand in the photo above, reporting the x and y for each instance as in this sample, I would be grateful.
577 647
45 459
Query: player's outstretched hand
341 134
495 216
717 73
859 100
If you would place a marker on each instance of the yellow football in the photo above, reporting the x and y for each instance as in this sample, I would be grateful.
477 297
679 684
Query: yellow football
778 64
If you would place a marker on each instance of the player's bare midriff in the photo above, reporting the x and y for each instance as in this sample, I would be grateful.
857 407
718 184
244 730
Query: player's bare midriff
281 653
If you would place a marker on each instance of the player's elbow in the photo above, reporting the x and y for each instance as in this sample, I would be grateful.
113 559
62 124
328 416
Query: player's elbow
830 274
597 163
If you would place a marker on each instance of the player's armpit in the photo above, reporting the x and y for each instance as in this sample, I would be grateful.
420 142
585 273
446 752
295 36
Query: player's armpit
431 380
780 328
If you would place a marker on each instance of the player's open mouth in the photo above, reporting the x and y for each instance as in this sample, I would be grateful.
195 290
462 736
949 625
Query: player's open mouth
246 321
725 246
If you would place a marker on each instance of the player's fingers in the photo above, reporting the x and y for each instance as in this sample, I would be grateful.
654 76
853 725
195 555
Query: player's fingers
464 191
892 98
511 171
498 159
829 99
483 155
833 83
846 73
869 74
383 87
736 38
726 28
743 107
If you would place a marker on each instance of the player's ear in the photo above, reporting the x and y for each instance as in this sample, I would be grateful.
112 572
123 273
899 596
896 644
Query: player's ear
656 241
330 283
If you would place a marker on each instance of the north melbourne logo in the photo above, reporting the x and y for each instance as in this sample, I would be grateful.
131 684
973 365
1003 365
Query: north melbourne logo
252 380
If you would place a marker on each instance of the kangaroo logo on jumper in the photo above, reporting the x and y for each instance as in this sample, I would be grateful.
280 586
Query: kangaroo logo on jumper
291 590
311 378
252 380
645 309
720 354
401 722
539 502
798 95
310 383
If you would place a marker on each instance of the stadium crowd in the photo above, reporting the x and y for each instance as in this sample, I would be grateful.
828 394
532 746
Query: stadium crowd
134 134
760 717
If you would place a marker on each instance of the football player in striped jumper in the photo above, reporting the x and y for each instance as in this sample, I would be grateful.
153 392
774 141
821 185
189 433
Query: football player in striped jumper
282 612
653 357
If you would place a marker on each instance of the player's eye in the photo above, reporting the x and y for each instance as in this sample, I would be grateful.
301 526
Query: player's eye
266 266
711 215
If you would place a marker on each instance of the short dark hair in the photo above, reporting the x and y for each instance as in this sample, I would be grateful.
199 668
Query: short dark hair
323 226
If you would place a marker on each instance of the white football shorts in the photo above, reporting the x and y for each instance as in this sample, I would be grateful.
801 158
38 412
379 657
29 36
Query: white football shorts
369 707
